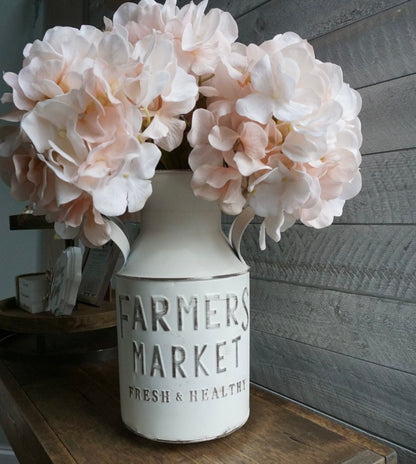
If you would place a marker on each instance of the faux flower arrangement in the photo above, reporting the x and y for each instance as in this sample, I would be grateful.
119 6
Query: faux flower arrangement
266 126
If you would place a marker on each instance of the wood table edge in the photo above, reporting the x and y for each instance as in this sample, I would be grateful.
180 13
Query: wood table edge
20 419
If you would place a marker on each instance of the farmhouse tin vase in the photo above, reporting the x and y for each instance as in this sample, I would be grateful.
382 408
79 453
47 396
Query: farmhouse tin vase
183 321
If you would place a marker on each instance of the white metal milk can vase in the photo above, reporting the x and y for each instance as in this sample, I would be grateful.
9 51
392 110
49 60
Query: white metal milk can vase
183 321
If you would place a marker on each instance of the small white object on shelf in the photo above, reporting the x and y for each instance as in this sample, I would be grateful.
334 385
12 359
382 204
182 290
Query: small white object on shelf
66 280
32 291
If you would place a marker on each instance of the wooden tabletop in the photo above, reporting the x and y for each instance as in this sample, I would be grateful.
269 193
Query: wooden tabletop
69 415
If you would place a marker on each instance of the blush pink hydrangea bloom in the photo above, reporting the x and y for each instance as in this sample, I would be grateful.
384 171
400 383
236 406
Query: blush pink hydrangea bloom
88 104
267 127
199 39
287 123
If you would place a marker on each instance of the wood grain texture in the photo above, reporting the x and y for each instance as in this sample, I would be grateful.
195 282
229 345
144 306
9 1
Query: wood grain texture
367 328
24 424
336 426
325 335
388 194
379 48
100 8
106 377
84 318
370 396
388 115
85 419
370 260
237 9
308 18
365 457
91 407
404 456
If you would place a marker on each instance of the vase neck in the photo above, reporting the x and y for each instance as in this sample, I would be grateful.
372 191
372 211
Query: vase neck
181 235
173 202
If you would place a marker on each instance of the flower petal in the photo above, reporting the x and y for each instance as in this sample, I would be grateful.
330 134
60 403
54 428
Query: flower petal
222 138
256 107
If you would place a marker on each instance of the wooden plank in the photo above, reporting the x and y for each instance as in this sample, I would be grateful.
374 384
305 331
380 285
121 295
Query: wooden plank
104 374
100 8
400 454
388 115
367 395
379 48
388 194
27 221
368 328
370 260
355 435
86 419
366 457
23 423
88 422
405 456
84 318
237 9
308 19
318 445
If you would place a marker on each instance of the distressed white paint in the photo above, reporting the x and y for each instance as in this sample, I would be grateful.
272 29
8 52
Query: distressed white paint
183 321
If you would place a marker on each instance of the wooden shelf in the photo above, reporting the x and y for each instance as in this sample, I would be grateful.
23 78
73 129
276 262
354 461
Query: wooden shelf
71 415
83 319
87 335
27 221
60 349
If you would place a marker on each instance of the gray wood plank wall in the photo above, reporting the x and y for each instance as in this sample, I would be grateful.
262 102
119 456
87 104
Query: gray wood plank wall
334 311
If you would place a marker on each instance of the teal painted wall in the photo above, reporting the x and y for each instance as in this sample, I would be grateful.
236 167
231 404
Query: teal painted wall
21 21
